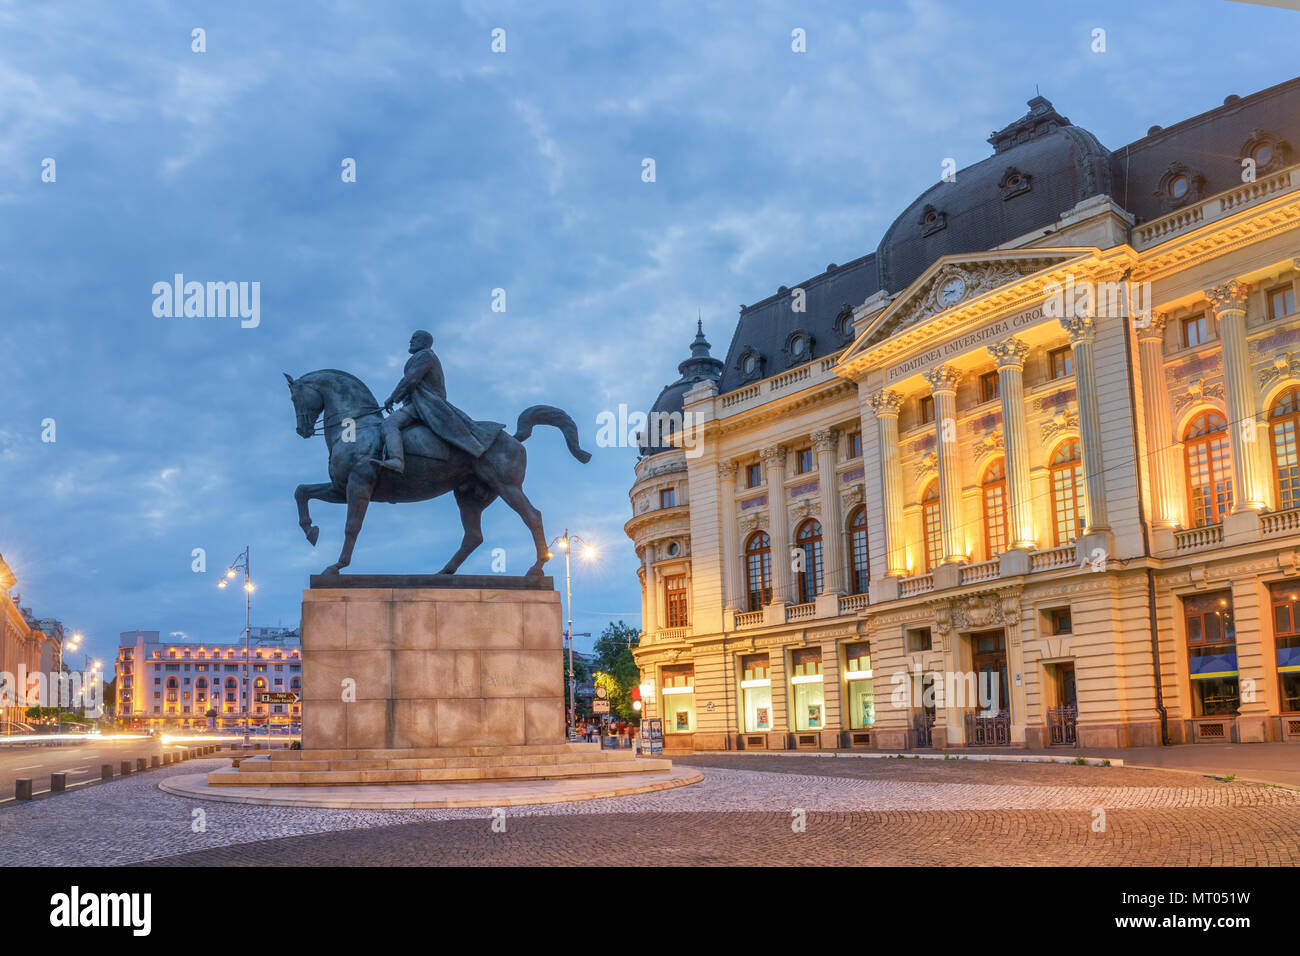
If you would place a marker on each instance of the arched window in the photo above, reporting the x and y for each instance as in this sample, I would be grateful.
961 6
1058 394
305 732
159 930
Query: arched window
1068 512
995 509
1285 419
809 540
859 559
758 569
1209 468
933 526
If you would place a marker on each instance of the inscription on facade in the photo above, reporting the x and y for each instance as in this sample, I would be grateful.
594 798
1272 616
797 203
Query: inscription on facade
959 346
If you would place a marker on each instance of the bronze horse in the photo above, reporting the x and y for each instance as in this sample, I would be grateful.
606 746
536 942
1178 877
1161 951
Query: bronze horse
351 426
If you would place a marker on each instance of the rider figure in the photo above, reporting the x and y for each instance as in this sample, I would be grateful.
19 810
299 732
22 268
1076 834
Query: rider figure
424 396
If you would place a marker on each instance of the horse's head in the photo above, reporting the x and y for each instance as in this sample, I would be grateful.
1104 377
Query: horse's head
307 406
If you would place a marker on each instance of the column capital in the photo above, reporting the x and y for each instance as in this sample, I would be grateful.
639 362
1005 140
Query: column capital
1080 328
825 439
1009 353
886 402
773 455
1229 296
727 470
943 378
1154 327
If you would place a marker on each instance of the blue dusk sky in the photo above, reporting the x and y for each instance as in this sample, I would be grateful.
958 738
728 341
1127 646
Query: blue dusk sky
475 171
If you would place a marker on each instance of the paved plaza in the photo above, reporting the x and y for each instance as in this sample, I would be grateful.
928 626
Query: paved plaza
747 811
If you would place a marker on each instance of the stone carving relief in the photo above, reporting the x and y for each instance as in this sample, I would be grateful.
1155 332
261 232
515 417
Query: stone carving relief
1064 422
990 444
974 612
1284 366
1198 391
977 278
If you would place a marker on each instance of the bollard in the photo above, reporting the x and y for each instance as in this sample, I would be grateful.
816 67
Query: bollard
126 768
155 761
141 763
106 771
23 788
58 782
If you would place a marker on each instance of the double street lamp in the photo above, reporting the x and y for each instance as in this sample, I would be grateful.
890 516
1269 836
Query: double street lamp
566 543
241 563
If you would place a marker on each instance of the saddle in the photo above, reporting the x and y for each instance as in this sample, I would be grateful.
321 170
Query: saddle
421 442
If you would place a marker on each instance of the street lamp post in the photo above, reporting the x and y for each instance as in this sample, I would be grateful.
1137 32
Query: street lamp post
566 542
241 563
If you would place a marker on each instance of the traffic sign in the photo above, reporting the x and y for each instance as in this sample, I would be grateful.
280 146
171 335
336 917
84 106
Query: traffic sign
278 697
600 706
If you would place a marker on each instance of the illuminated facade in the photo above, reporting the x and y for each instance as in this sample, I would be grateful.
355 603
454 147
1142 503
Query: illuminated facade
172 684
1025 475
27 645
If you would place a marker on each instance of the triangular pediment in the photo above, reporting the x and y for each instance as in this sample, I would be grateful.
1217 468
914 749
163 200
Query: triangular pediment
954 282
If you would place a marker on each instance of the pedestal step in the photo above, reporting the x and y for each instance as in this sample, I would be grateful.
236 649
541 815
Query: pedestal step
261 771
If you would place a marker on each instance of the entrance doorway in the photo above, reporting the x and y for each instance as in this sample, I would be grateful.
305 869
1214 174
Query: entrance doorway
989 724
1062 717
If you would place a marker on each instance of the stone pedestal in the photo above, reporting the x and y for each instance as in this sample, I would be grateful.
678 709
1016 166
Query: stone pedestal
392 662
434 683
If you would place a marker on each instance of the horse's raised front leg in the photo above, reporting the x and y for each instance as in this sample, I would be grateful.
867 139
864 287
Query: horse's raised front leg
471 500
358 497
305 493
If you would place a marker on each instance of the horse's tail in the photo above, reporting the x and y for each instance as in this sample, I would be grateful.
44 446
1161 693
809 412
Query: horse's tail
557 418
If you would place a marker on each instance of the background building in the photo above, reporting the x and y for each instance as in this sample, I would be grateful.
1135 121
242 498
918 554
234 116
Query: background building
180 684
1043 439
26 644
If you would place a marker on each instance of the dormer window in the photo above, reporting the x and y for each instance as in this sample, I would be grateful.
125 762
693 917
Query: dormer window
1014 182
1179 186
750 364
798 347
1266 149
932 220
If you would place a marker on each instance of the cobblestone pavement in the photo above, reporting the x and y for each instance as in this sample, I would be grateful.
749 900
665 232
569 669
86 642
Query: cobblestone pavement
856 811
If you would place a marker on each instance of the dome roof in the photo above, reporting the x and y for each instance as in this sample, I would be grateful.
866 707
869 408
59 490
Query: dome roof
699 367
1041 167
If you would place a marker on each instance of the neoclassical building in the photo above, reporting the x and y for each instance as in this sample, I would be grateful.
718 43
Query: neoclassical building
1027 474
28 646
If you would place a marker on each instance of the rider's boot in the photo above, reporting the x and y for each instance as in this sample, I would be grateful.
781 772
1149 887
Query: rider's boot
395 459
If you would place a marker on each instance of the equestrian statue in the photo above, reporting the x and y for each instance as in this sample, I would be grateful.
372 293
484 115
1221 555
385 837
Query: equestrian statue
420 451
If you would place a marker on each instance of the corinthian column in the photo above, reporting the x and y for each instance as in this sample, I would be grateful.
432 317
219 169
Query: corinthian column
1229 302
885 404
730 544
779 522
824 443
1010 355
1083 332
1155 406
943 384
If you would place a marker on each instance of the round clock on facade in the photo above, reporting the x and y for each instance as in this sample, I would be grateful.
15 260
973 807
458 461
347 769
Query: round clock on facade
952 291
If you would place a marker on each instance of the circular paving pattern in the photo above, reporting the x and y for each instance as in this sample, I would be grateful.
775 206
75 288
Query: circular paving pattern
747 811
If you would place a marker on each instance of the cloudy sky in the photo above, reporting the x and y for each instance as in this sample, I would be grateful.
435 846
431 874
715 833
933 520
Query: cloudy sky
475 171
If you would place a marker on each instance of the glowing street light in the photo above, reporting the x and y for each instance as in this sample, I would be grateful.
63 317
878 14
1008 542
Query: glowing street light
565 542
241 563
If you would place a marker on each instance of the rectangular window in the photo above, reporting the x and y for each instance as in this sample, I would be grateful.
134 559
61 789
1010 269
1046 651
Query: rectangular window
1194 331
753 475
855 445
675 598
807 689
918 639
858 678
667 497
1281 301
756 692
803 461
988 386
1211 653
1061 362
927 409
679 698
1059 620
1286 634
